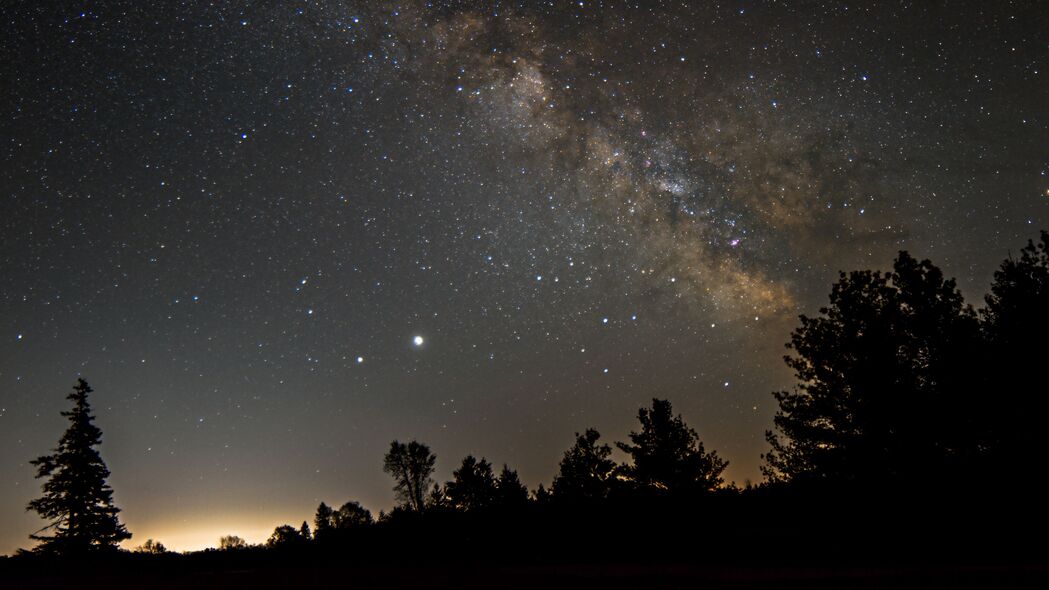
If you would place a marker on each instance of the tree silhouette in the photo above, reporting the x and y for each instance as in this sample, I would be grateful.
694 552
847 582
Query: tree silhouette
510 493
667 454
437 499
473 485
411 466
285 536
151 547
1016 322
351 514
232 542
322 520
541 496
586 470
77 500
883 389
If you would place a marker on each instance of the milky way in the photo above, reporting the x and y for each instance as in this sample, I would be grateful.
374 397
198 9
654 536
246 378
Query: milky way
275 236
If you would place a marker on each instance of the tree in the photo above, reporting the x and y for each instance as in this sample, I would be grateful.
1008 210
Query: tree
285 536
232 543
322 520
541 496
510 493
304 531
586 470
473 485
667 454
437 499
151 547
1016 324
884 390
350 515
77 500
411 466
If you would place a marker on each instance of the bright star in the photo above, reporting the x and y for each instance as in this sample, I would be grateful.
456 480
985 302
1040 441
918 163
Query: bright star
418 340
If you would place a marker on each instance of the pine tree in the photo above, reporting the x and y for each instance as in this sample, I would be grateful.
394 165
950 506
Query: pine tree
77 500
511 494
473 485
667 454
886 391
322 522
586 470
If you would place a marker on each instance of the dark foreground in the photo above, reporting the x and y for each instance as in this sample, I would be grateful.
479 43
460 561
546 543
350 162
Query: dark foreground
736 541
613 576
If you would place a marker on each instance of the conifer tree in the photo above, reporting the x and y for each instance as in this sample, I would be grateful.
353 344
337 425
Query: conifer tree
77 500
668 455
322 522
586 470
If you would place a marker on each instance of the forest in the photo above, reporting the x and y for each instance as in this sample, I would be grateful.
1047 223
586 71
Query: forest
908 450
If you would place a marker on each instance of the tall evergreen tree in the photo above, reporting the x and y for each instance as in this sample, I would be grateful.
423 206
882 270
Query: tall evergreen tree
322 520
511 494
77 500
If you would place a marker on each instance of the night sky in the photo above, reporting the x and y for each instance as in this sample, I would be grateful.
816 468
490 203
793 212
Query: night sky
274 236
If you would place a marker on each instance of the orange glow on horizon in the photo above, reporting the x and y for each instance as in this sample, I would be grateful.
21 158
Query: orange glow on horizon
204 531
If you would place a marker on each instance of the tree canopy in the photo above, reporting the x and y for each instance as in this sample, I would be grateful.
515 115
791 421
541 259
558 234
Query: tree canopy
585 471
1016 323
883 381
473 485
411 466
667 455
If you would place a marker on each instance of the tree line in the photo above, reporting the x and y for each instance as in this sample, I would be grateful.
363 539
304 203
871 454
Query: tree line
901 386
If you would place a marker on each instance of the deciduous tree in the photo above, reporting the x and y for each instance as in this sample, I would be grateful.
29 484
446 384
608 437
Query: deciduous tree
411 466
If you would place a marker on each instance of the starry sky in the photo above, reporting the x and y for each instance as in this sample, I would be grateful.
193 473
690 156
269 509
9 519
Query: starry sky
276 235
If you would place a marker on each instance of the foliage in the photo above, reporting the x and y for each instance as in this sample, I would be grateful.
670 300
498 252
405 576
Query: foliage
1016 323
411 466
883 388
151 547
510 493
667 454
437 499
77 500
232 543
322 520
285 536
473 485
586 470
350 515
